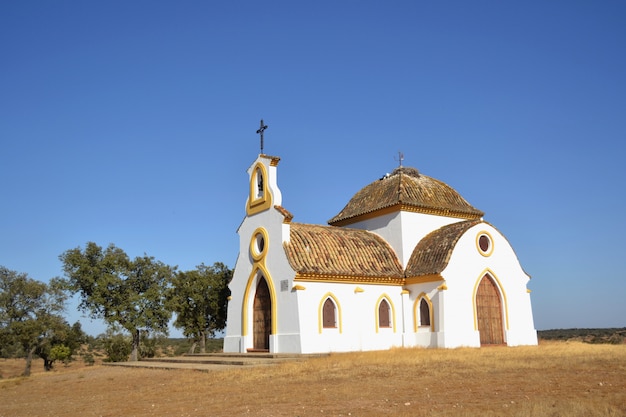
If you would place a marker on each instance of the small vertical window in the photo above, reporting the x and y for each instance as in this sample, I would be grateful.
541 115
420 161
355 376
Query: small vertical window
329 316
384 319
259 183
424 313
483 242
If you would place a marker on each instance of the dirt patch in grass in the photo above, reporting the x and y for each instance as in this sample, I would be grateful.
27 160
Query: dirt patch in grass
553 379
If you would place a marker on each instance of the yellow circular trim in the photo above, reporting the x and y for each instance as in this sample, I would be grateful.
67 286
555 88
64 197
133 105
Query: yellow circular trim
258 234
491 245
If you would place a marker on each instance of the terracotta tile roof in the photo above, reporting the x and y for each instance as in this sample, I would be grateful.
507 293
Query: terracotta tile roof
406 188
286 213
341 252
432 253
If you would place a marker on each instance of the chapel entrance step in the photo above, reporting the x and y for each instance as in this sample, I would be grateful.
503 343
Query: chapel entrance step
209 361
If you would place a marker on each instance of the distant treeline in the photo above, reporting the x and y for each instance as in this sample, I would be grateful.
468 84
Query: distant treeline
609 335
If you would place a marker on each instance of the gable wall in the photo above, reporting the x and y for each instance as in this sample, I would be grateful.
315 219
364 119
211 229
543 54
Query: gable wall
463 273
403 230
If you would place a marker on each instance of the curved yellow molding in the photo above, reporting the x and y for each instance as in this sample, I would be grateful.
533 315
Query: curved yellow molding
320 313
358 290
491 244
393 311
254 251
489 272
431 313
298 288
258 272
258 200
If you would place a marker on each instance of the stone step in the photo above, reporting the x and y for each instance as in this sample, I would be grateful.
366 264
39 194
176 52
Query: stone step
215 361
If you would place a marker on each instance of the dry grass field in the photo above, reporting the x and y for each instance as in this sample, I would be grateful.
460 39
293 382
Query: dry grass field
553 379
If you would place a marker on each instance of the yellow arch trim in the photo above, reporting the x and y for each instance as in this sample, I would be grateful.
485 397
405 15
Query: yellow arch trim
320 315
263 202
254 252
491 244
258 272
430 312
489 272
384 296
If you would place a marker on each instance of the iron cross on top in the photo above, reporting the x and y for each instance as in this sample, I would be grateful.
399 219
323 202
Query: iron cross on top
260 132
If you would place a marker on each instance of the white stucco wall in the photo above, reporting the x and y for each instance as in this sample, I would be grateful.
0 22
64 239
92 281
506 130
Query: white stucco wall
357 312
465 269
403 230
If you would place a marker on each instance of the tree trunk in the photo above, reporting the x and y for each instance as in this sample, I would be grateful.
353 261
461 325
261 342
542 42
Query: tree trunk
134 354
202 342
29 360
192 349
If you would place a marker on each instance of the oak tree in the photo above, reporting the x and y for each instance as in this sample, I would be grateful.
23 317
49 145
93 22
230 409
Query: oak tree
124 292
30 314
199 299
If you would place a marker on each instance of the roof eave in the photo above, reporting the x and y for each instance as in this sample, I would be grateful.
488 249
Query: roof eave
474 215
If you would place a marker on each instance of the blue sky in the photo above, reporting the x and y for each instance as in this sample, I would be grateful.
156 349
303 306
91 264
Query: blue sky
133 123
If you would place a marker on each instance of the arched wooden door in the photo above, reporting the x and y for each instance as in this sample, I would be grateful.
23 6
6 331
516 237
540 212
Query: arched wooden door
262 316
489 312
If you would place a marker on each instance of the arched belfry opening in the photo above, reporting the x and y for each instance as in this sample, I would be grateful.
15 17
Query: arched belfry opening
262 316
489 312
259 183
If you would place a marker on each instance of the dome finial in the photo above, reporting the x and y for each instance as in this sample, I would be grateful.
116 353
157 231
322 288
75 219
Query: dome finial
400 158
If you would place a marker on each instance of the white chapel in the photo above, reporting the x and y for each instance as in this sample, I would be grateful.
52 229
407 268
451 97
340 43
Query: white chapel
407 262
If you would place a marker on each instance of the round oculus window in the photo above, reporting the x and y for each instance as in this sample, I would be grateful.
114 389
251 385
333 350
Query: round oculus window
258 244
484 243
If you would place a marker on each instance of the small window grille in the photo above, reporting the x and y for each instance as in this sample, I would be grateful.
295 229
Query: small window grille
329 314
384 319
424 313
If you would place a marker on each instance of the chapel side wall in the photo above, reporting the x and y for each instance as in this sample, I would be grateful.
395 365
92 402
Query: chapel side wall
356 311
463 273
403 230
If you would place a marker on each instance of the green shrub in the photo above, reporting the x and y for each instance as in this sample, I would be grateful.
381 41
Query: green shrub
147 347
60 353
117 348
89 359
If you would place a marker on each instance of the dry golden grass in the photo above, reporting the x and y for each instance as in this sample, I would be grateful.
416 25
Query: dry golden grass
553 379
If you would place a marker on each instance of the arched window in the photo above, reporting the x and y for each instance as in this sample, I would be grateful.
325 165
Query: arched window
424 313
259 182
384 314
329 314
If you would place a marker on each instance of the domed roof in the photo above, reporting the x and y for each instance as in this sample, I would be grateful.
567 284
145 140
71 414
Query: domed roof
406 189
